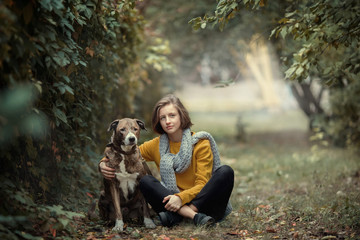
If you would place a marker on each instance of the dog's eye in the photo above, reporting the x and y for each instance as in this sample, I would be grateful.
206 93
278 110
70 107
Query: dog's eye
135 129
123 129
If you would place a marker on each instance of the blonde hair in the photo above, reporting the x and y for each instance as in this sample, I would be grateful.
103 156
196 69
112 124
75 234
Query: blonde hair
170 99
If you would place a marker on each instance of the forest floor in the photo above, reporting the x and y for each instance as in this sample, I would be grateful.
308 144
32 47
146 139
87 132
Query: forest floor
286 187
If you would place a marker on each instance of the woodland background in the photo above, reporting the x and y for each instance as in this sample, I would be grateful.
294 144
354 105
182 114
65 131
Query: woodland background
68 68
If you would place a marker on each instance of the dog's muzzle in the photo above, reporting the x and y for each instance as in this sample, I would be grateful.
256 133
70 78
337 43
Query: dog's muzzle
130 139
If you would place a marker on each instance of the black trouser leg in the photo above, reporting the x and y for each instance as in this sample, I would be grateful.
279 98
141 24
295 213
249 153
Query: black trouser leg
214 197
154 192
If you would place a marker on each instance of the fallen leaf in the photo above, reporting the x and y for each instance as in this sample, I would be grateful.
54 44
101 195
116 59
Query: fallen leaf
163 237
267 207
89 51
271 230
242 233
111 236
329 232
53 231
91 236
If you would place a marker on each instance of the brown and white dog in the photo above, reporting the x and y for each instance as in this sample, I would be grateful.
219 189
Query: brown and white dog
123 154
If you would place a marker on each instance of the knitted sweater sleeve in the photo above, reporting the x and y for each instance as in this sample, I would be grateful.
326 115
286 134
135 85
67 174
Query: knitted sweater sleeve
202 169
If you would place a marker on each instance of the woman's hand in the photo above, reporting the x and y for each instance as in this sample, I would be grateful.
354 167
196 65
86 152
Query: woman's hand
174 203
107 172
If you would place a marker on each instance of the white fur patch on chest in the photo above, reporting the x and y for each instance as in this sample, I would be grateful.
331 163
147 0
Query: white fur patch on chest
127 180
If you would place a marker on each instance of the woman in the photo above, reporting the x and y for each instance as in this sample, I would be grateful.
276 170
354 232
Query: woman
193 184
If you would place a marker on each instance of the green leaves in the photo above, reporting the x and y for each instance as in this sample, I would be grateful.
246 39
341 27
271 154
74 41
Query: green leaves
326 27
225 10
63 88
51 5
61 59
300 69
76 60
27 220
156 55
59 115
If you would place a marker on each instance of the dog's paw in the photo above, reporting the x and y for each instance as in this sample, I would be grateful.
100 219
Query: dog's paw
149 223
119 226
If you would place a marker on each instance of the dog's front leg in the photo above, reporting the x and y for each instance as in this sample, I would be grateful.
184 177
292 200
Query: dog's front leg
148 222
119 224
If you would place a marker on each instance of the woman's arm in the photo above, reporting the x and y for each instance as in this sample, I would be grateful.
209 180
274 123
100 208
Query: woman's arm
107 172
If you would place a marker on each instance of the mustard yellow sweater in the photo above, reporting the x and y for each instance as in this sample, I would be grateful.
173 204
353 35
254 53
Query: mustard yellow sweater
195 177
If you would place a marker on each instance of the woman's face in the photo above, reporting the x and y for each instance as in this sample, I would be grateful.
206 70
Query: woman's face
170 122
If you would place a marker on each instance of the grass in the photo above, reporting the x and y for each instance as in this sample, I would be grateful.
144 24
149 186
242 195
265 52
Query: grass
285 186
288 192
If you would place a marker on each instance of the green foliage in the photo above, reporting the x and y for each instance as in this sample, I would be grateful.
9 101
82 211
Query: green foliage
329 32
225 11
320 41
344 127
68 68
17 114
26 219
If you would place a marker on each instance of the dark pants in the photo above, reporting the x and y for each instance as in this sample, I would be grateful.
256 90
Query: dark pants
212 199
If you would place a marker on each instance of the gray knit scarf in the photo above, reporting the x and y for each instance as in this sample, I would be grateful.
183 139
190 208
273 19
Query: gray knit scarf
177 163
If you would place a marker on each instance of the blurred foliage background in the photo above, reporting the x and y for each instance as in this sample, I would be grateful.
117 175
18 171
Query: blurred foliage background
68 68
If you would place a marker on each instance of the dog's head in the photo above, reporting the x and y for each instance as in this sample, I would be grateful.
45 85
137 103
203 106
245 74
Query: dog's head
126 132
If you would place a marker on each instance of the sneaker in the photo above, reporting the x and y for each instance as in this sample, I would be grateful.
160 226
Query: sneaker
169 219
201 219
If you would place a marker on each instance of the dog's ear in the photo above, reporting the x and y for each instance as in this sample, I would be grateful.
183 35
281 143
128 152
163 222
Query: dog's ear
141 124
113 125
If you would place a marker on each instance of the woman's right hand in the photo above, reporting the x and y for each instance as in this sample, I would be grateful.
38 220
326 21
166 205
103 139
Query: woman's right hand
107 172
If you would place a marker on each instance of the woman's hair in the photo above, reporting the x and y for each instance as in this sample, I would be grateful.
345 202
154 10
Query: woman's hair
170 99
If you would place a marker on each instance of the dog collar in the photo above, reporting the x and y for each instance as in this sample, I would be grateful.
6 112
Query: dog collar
132 151
118 149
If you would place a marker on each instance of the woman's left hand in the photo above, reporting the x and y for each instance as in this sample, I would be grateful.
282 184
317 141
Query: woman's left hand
173 203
